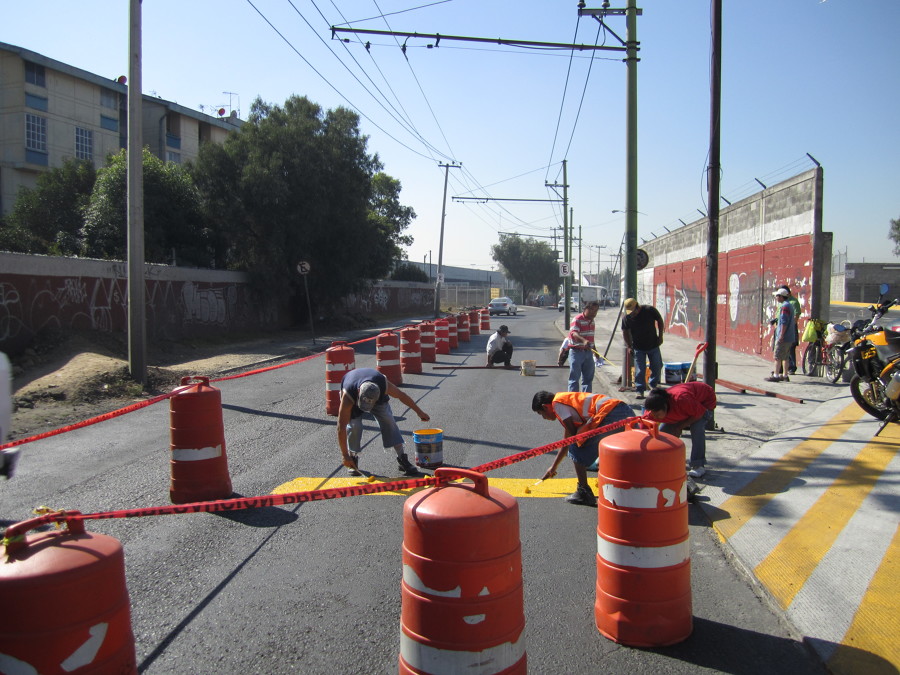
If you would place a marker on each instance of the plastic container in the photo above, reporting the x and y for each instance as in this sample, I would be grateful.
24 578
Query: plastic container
429 448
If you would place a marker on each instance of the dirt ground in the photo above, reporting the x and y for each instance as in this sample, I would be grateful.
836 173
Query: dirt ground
69 377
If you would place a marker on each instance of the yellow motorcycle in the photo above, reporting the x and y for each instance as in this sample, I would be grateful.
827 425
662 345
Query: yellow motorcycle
875 359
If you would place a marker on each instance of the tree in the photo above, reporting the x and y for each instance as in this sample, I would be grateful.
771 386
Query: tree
297 183
48 218
173 226
406 271
531 263
894 235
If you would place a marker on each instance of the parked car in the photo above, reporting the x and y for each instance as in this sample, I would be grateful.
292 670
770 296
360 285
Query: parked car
502 306
561 305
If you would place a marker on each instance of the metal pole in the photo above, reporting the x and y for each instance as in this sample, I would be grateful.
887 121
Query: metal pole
440 267
710 367
309 306
137 346
567 246
631 157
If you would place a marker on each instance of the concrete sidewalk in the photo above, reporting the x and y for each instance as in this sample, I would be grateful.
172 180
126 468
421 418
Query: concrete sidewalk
804 496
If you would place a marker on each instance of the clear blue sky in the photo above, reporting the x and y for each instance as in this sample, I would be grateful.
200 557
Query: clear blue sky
798 76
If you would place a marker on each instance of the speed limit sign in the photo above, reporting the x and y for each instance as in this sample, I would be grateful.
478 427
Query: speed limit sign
303 267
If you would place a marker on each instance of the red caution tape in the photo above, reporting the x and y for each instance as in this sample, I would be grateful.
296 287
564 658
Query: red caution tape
220 505
143 404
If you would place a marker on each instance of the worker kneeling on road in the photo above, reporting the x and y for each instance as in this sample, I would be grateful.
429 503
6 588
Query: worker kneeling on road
579 412
499 348
365 390
684 406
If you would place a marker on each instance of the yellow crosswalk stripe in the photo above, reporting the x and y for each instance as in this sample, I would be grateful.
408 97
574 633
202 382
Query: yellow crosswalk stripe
796 556
871 645
762 489
517 487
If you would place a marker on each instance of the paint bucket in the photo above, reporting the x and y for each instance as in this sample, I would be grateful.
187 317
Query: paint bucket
674 373
528 367
685 367
429 448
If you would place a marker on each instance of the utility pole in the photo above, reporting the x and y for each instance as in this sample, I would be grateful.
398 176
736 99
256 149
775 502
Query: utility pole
567 240
137 345
440 267
710 366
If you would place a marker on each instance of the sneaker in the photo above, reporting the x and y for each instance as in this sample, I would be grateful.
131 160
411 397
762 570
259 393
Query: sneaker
785 378
774 378
355 470
582 495
406 467
640 395
697 472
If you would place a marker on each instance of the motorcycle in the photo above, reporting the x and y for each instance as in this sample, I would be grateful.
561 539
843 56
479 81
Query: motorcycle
875 359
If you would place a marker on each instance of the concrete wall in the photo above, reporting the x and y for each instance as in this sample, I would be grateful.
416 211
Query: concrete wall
38 292
860 281
768 239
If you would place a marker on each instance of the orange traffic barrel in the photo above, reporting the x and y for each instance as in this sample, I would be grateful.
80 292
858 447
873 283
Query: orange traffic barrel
442 336
66 603
199 463
474 322
461 594
427 328
453 326
339 359
410 350
643 551
387 357
485 320
462 327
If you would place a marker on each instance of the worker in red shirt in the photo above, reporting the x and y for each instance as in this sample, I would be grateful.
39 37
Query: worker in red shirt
684 406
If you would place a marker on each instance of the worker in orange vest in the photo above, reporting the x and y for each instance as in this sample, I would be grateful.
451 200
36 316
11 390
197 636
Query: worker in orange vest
579 412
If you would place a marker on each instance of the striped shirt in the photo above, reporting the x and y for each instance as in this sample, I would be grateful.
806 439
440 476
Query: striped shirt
585 328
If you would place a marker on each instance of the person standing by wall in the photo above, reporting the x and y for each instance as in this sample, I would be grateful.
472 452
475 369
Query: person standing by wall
785 336
642 330
365 390
581 344
792 354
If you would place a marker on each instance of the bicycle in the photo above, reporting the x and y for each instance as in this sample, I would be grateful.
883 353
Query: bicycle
823 360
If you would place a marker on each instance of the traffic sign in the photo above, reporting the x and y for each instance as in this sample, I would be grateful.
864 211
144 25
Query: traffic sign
564 269
642 258
303 267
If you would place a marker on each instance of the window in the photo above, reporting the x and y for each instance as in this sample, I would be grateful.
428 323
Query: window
109 98
36 102
109 123
174 157
35 74
35 132
84 144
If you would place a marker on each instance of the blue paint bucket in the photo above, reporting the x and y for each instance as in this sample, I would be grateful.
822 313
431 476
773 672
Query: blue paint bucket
429 448
673 373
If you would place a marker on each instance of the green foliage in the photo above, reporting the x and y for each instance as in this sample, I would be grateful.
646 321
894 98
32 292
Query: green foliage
173 224
894 235
48 218
406 271
531 263
296 183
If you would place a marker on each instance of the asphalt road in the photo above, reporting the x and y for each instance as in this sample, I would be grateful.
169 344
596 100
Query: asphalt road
315 588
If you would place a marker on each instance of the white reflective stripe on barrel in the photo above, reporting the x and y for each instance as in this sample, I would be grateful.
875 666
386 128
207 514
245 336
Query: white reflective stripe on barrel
645 557
391 362
414 581
332 386
196 454
436 661
411 355
338 366
641 497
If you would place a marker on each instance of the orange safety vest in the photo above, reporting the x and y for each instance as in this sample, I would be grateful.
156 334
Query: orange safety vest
592 408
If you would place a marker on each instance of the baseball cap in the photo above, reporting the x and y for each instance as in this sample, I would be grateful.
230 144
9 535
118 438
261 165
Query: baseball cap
780 293
630 304
369 393
503 329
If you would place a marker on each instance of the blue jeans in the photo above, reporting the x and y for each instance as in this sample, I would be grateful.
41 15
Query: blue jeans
640 368
390 432
581 364
698 438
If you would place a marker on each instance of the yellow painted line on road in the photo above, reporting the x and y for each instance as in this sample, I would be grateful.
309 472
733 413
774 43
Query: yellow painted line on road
517 487
870 644
767 485
796 556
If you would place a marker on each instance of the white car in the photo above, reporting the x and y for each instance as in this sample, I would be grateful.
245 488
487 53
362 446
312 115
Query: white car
502 306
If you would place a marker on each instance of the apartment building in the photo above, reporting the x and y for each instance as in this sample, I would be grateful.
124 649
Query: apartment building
50 111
